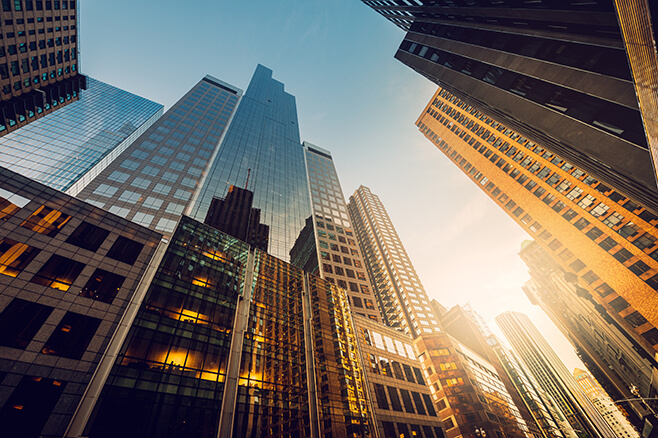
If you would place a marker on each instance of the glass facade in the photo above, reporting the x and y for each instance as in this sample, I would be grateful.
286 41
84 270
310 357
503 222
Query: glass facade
170 374
262 147
153 180
214 302
72 145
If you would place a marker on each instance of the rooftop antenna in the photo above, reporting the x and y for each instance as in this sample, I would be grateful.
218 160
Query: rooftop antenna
248 174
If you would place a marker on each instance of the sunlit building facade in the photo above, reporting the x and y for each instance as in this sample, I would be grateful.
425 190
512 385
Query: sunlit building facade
39 65
339 257
587 227
70 147
398 289
230 341
558 74
604 404
608 351
401 401
552 374
68 273
467 390
262 146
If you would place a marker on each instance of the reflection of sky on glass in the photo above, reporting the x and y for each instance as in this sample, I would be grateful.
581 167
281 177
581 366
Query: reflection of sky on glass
264 137
59 148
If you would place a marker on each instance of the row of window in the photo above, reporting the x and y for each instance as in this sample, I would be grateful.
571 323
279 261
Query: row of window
21 320
638 268
14 49
402 400
27 83
37 5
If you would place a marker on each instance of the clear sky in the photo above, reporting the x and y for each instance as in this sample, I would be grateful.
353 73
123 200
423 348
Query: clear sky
353 98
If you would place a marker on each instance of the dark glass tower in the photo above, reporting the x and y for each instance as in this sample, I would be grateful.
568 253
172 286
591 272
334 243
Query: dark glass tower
263 137
559 75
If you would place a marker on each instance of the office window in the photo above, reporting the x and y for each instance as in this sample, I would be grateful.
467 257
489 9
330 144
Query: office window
20 321
618 304
125 250
88 236
635 319
102 286
380 395
72 336
418 402
29 406
577 265
639 267
622 255
15 256
46 220
58 273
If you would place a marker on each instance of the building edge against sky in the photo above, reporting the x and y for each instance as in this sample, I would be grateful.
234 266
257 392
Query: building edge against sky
557 74
589 229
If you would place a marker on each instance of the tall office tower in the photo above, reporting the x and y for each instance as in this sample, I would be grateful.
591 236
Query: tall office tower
401 401
39 66
467 390
262 146
557 73
604 404
545 414
152 181
401 295
68 273
70 147
552 374
229 341
338 253
608 351
468 327
587 227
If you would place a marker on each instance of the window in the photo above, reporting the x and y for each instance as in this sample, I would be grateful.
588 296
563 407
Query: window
15 256
102 286
618 304
608 243
569 214
604 290
581 223
594 233
88 236
58 273
628 230
639 267
613 220
29 406
555 244
635 319
395 399
20 321
72 336
577 265
125 250
46 221
406 399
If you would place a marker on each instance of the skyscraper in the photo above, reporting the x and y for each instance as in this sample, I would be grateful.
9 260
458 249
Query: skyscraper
604 404
68 273
39 67
70 147
588 228
262 144
339 255
606 348
152 181
401 295
558 74
552 375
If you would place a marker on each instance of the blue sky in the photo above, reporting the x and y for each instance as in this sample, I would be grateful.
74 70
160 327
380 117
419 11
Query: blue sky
353 98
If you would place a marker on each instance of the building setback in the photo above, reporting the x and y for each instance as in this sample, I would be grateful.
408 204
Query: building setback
262 145
39 66
557 74
400 293
153 180
592 231
552 375
608 351
70 147
68 273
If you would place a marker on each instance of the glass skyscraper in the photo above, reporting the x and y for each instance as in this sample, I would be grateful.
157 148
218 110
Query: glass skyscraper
262 152
152 181
67 148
